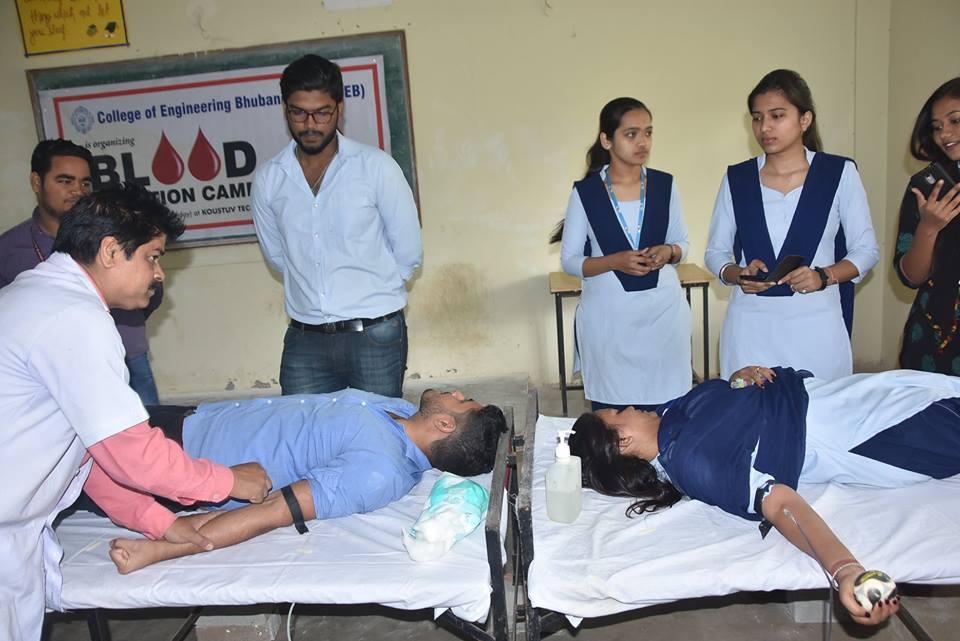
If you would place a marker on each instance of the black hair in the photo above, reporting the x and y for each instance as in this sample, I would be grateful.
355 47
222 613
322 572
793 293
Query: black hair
610 117
312 73
794 88
607 471
127 212
922 145
472 448
42 158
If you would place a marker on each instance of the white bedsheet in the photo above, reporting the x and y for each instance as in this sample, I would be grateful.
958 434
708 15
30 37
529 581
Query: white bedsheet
356 559
605 563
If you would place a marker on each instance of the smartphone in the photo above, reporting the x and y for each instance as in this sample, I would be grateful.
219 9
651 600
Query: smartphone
926 178
787 265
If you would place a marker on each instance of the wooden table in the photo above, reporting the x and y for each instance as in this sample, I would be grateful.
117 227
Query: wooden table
563 285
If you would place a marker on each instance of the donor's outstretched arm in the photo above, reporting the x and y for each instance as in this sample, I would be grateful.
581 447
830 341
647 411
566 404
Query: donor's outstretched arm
222 528
801 525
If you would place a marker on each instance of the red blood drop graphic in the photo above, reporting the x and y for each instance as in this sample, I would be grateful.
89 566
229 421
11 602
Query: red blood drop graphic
167 163
204 163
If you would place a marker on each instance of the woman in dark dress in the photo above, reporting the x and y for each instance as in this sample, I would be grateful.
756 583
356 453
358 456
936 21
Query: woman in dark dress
927 256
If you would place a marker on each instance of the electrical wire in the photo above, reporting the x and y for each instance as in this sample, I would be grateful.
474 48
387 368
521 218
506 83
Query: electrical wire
828 629
289 626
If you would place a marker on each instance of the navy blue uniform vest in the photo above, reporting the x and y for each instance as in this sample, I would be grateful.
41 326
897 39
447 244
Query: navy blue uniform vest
606 226
707 437
806 228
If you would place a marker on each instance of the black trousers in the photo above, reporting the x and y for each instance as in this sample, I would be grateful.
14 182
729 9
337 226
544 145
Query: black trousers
169 418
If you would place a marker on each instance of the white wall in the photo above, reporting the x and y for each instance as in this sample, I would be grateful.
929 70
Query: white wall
505 97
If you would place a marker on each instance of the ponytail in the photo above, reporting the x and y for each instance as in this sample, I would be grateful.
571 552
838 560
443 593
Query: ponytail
597 156
610 117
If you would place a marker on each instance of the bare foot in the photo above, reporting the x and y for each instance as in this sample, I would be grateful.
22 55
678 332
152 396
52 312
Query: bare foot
130 555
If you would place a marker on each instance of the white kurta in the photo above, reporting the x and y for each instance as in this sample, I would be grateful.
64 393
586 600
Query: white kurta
632 347
803 331
846 412
63 388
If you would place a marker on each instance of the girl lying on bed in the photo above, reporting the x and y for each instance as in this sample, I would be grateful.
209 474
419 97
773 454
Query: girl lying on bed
743 446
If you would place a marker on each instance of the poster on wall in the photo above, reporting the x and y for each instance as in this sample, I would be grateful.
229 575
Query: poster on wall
52 26
196 139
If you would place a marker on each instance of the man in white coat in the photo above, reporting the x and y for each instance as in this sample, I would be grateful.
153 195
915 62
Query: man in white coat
67 407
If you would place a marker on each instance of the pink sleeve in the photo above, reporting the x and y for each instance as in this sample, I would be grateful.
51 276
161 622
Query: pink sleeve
126 507
142 458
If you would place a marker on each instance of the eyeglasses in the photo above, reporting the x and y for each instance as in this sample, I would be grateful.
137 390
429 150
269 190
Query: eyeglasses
321 116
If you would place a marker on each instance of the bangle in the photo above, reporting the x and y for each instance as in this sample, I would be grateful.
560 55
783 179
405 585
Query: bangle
842 564
833 569
720 274
671 261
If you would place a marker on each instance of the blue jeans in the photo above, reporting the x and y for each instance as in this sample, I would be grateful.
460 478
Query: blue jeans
141 379
373 360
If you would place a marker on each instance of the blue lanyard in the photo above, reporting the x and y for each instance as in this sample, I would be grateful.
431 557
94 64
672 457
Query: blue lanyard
634 242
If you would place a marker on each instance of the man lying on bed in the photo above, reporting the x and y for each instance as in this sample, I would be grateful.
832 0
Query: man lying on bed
745 450
333 455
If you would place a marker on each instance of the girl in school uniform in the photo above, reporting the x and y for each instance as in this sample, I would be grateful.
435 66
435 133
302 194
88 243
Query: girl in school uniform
747 450
927 256
794 199
623 233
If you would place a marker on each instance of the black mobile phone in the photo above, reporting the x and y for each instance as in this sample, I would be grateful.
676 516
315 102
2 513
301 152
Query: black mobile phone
926 178
787 265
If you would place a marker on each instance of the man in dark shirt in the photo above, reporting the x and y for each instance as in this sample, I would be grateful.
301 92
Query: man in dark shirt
60 174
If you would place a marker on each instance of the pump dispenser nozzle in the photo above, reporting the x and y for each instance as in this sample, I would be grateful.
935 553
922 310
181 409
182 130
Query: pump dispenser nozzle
563 447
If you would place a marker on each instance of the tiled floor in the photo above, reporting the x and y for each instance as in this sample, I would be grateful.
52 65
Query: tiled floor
742 617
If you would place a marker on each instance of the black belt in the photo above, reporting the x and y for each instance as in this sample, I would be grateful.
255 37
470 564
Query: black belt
169 418
352 325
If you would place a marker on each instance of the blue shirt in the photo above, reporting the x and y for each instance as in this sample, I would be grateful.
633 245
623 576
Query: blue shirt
346 251
355 456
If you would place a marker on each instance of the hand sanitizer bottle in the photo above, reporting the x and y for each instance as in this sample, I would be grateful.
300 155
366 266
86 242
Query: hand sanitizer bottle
563 483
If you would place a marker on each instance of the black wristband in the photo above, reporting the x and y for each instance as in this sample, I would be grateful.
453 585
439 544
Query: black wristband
295 510
823 278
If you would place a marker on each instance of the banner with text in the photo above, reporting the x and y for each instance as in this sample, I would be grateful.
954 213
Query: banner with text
196 140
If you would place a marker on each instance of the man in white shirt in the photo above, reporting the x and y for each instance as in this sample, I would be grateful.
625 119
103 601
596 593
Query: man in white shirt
337 219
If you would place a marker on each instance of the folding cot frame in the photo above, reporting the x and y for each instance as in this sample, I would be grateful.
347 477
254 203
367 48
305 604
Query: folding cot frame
498 626
540 622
